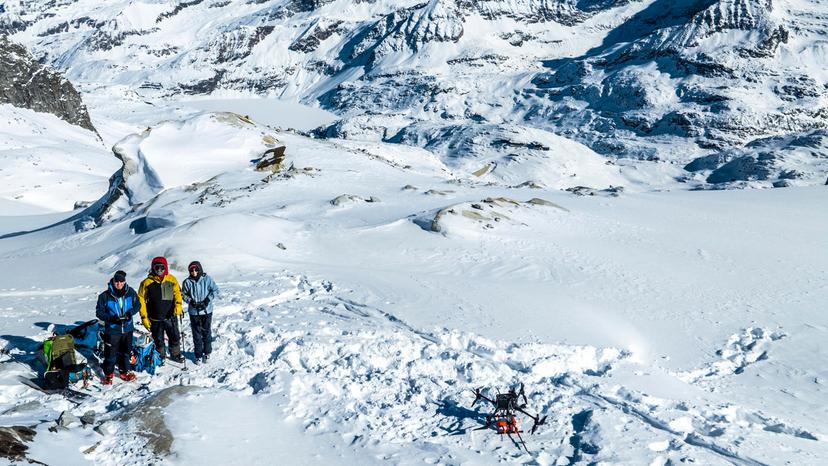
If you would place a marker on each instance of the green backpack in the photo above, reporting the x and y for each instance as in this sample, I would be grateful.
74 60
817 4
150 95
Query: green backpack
64 365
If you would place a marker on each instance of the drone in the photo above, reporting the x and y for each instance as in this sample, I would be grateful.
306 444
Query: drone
504 417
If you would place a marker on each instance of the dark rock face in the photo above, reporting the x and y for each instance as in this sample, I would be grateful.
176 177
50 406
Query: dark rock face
26 83
764 159
13 442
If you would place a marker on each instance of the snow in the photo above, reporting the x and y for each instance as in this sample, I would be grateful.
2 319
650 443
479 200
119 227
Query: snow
272 112
650 327
266 434
46 164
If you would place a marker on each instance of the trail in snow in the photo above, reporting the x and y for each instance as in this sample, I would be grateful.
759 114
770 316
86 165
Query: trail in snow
341 368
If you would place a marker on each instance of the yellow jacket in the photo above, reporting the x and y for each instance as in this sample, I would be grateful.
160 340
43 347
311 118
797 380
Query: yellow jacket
160 298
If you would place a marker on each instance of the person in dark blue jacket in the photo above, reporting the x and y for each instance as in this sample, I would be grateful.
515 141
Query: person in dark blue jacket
115 309
199 291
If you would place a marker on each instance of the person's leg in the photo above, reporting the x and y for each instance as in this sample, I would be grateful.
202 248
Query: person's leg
157 330
207 334
110 352
173 336
125 353
198 342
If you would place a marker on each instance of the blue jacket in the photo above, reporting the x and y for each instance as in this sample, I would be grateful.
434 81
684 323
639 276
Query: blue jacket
116 311
196 290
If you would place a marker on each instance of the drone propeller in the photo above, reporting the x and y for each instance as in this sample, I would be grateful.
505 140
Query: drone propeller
478 396
537 423
522 393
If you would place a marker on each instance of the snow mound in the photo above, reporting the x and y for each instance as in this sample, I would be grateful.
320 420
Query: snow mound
466 217
206 145
741 350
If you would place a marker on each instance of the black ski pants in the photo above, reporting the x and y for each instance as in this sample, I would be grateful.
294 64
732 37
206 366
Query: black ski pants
169 327
117 348
202 334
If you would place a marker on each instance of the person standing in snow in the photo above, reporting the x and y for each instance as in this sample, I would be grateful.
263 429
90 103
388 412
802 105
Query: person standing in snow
160 297
115 309
199 291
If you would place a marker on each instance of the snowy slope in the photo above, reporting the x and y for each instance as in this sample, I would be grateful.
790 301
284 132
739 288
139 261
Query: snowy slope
47 165
659 83
651 328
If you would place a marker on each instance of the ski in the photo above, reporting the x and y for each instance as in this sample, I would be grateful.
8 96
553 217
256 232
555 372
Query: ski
73 394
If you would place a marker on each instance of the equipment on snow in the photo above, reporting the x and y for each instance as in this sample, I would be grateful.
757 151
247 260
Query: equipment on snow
72 394
144 356
64 365
504 417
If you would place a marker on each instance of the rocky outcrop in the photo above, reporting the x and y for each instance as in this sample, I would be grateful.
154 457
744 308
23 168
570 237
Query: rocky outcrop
405 30
26 83
781 160
14 442
483 215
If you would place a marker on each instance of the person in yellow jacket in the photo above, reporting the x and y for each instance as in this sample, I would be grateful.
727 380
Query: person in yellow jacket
161 305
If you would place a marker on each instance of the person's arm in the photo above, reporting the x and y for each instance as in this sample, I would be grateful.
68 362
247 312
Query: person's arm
187 291
100 309
179 308
136 304
142 291
212 293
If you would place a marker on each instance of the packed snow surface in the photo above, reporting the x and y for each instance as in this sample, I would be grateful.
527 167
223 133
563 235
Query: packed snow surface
368 288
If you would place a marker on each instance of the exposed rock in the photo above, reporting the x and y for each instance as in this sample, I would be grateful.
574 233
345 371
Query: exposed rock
486 213
486 169
67 419
310 40
236 44
26 83
88 418
544 202
581 191
13 442
272 160
345 199
177 9
149 414
438 192
530 184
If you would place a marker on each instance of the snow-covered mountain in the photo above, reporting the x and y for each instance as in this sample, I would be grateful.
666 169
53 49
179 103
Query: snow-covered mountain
502 201
737 84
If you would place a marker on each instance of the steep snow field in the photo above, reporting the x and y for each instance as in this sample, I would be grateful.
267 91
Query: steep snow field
368 288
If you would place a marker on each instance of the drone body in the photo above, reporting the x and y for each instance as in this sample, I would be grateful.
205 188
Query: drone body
504 417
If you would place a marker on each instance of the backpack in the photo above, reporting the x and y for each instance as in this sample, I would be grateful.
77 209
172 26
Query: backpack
64 365
86 334
144 356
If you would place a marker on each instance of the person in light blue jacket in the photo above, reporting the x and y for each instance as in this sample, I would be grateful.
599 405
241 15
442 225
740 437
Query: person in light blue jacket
199 291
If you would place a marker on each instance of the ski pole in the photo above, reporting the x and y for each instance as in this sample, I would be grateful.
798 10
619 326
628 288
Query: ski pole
183 340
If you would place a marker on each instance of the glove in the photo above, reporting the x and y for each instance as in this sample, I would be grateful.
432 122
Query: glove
205 303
